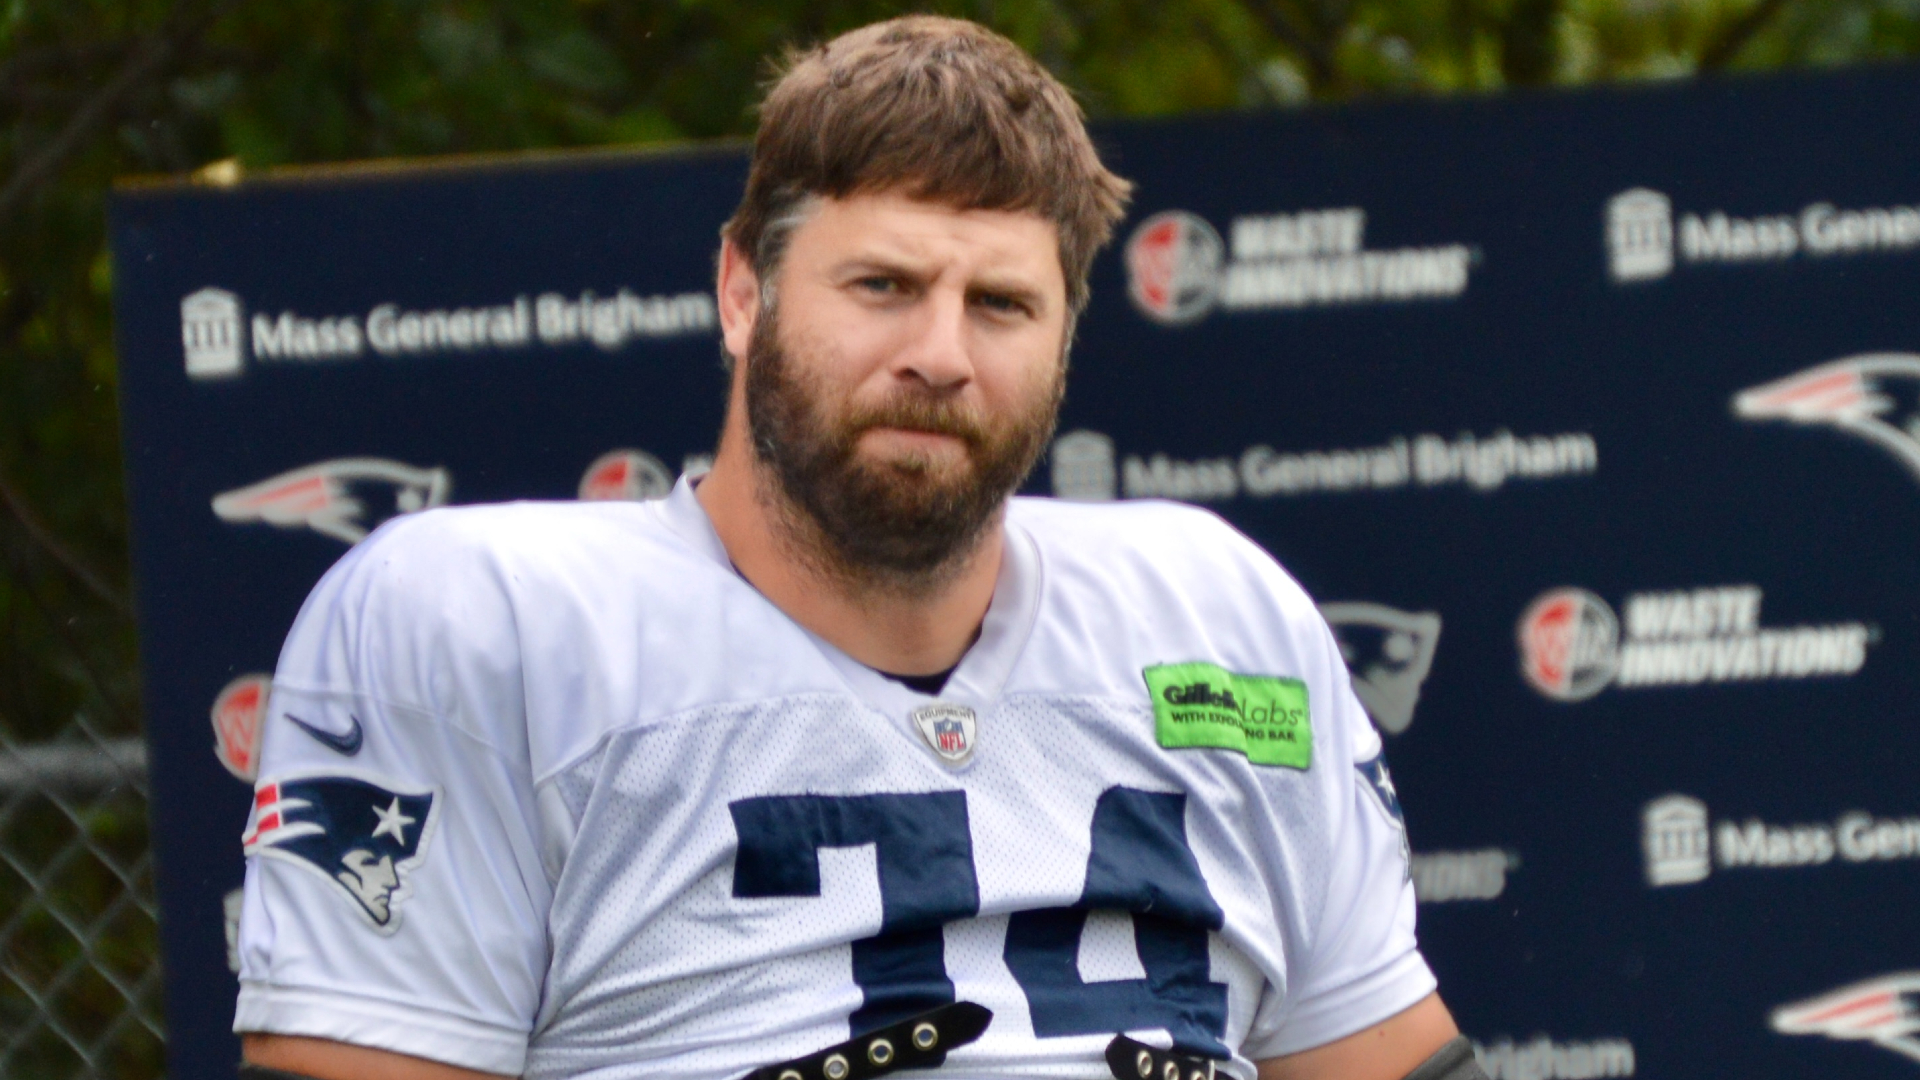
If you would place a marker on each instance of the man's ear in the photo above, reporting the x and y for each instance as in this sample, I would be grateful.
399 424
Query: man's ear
739 295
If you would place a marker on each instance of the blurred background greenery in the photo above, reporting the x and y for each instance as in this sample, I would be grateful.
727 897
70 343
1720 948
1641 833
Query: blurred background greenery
92 90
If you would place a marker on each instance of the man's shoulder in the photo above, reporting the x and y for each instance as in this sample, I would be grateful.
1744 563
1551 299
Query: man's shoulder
1151 551
1120 519
1133 584
524 532
451 559
1171 536
525 586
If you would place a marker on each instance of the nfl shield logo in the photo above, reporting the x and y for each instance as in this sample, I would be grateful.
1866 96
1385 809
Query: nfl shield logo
950 730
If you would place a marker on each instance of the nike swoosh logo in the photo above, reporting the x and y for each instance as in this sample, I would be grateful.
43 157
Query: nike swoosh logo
347 743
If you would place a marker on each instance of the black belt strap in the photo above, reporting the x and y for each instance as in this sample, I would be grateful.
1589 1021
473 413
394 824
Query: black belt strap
1131 1059
918 1042
1454 1061
250 1071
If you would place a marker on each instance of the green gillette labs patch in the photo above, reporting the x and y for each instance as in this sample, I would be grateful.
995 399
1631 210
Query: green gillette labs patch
1205 705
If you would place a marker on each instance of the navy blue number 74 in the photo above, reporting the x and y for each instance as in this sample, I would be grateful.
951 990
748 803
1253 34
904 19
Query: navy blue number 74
1140 863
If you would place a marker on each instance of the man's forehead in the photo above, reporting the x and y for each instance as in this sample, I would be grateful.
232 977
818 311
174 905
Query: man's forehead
894 226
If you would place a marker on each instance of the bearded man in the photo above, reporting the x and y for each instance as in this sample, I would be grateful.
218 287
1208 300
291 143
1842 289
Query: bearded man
841 760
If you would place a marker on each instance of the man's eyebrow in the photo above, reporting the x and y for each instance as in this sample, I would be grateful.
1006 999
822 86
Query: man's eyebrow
1011 288
878 264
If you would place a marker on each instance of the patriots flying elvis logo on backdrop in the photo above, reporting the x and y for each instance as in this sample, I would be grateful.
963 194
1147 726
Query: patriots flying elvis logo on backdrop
1883 1011
1389 653
1872 396
364 834
344 498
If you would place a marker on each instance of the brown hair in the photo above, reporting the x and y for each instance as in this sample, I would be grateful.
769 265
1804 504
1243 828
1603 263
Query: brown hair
939 109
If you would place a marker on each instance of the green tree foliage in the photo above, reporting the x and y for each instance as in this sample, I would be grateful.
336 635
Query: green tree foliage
93 90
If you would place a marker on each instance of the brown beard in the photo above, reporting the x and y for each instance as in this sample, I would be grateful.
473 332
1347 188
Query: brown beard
902 526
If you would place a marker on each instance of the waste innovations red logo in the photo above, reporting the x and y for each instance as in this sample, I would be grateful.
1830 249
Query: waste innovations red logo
1854 394
1173 267
1883 1011
237 715
1572 647
1569 644
632 475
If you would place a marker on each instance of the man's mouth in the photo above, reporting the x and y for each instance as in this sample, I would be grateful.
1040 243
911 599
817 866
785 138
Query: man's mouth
916 432
883 437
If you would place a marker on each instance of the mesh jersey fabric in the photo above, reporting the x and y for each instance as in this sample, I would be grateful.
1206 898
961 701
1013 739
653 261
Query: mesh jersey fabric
648 825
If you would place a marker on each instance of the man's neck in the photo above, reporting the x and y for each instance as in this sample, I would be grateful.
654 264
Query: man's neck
905 633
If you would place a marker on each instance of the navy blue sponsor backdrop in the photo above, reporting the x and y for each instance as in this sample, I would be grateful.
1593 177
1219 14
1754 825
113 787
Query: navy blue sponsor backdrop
1590 420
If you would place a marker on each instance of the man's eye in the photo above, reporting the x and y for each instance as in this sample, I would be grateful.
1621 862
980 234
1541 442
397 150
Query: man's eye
879 286
1005 305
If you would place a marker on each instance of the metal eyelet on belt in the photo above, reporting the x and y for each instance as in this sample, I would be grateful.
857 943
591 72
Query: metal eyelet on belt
1130 1059
917 1042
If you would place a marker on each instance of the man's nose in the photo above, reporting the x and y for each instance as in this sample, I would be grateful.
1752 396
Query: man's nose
937 355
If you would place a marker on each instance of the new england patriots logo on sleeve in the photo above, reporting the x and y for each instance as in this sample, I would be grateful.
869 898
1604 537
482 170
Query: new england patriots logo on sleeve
1374 771
364 834
1380 782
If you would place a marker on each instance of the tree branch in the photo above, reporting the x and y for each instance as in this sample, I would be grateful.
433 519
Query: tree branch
16 311
1738 33
36 64
37 531
1529 47
122 720
1320 64
147 60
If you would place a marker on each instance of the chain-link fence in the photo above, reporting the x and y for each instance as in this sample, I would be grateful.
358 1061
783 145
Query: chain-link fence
79 943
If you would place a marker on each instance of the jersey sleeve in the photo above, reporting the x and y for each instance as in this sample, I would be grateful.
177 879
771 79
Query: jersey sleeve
1362 963
395 891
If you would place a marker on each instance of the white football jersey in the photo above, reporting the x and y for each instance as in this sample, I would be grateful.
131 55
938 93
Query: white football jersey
551 789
